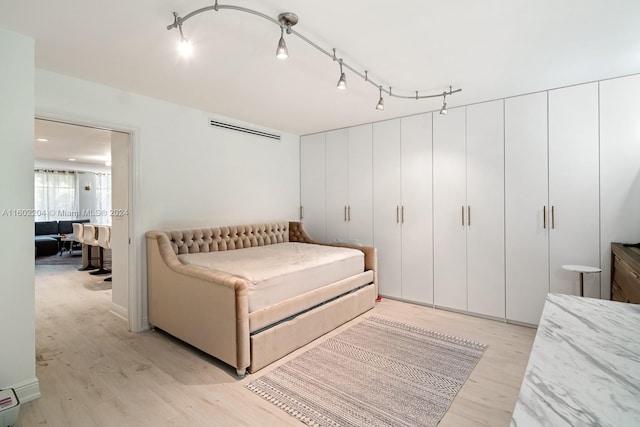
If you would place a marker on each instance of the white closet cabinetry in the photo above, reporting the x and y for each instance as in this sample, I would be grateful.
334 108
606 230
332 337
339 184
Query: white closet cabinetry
313 185
387 202
574 197
552 196
402 207
449 210
336 185
468 209
620 168
485 209
526 199
349 192
416 210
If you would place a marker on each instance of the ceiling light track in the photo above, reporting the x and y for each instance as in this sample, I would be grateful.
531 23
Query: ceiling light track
285 21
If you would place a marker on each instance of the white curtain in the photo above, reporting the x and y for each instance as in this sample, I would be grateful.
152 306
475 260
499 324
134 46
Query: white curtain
103 198
55 195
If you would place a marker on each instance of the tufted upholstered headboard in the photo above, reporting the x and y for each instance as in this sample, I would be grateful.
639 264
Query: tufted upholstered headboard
225 238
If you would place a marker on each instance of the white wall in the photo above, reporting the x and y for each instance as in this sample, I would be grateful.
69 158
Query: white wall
186 173
17 293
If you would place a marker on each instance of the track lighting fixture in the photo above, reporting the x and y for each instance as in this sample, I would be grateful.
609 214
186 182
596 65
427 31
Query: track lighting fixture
282 52
380 105
285 21
342 82
443 110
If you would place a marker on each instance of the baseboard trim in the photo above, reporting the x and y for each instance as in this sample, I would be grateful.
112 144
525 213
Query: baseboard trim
120 311
27 390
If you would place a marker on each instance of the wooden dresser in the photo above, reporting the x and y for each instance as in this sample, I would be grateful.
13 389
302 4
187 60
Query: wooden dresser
625 273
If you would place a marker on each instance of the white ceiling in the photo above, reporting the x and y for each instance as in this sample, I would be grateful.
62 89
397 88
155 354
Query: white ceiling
490 48
85 145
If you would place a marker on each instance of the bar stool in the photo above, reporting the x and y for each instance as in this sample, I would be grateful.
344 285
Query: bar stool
88 240
96 242
104 240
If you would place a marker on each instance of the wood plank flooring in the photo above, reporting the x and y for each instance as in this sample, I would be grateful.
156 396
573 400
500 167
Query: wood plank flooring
93 372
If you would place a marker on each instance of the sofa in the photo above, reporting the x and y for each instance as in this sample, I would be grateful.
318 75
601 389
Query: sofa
244 320
47 235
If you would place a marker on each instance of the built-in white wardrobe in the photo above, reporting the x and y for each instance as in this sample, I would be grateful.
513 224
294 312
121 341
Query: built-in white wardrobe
478 210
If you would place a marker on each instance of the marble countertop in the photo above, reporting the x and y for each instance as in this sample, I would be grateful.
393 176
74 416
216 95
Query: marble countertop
584 368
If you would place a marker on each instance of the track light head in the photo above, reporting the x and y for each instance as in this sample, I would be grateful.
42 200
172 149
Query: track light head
342 83
282 52
443 110
380 105
185 48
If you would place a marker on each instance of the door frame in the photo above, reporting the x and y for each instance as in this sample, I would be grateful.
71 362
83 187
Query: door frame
135 320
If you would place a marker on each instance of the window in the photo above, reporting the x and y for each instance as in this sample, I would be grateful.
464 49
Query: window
55 195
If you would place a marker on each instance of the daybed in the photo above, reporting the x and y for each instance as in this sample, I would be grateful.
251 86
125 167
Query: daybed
264 307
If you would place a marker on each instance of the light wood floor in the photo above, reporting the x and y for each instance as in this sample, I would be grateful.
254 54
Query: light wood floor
93 372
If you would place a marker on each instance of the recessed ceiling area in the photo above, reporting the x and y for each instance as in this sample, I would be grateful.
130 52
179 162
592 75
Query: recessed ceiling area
60 142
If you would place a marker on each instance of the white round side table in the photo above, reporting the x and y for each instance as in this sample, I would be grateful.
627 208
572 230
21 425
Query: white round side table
582 269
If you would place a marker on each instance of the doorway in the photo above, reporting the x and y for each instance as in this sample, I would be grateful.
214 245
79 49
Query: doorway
99 148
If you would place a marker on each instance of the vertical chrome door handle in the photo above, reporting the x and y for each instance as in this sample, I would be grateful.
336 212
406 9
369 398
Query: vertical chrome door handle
301 213
544 217
345 214
469 215
402 215
553 217
462 215
349 213
397 214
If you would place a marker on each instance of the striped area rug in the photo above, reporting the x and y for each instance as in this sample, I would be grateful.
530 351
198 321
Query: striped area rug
377 373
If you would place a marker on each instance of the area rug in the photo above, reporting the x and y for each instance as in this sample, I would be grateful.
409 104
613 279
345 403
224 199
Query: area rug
377 373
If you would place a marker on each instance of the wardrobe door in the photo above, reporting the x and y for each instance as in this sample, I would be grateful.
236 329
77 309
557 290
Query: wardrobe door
449 210
312 185
485 208
416 209
574 195
619 168
526 207
337 176
360 206
386 206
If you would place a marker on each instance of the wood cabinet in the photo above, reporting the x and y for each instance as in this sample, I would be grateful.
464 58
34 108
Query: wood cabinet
625 273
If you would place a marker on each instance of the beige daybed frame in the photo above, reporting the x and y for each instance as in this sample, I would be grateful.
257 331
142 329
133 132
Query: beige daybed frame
209 309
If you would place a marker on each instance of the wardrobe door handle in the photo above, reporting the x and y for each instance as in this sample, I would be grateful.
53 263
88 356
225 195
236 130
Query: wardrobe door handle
544 217
345 214
397 214
402 215
469 216
462 215
553 217
301 213
349 213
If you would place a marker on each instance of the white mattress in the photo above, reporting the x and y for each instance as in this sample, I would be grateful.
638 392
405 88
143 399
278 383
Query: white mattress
284 270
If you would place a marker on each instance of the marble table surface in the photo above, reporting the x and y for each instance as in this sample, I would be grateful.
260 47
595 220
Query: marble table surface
584 368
